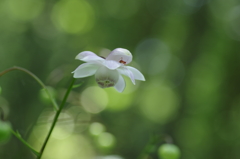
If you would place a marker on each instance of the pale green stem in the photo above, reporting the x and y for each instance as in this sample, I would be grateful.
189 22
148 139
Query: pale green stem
150 146
25 142
36 78
56 118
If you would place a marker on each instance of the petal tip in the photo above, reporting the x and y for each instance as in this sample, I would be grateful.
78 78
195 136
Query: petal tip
120 91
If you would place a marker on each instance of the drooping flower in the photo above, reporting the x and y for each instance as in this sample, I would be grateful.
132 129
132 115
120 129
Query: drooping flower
108 72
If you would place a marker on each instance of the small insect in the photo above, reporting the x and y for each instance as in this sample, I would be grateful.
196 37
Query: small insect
123 62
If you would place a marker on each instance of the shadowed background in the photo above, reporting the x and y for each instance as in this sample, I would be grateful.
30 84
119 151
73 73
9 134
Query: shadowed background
188 51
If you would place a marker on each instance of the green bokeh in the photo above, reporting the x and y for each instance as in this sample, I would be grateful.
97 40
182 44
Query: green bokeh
188 51
169 151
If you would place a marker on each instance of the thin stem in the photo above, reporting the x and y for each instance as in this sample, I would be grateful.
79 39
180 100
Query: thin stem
36 78
56 118
150 146
25 143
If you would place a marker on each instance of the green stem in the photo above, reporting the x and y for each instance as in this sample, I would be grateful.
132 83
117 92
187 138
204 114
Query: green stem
36 78
25 143
151 145
56 118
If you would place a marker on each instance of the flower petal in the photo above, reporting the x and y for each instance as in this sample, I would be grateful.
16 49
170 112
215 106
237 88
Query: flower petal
137 74
106 77
88 56
112 65
125 71
85 70
120 85
120 55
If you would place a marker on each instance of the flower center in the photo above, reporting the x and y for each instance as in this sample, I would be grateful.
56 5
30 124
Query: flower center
105 83
123 62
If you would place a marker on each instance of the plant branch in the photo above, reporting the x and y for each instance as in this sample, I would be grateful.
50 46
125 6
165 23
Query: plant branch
25 142
56 118
36 78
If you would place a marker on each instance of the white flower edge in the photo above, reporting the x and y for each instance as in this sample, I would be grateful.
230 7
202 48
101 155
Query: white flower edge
108 72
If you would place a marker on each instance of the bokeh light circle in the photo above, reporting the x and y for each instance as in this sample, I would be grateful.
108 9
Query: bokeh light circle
159 103
25 10
63 129
114 8
94 99
153 55
73 16
81 118
234 22
122 101
96 128
106 139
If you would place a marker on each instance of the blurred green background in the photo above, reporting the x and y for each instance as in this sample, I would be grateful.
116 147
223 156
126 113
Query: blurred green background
188 50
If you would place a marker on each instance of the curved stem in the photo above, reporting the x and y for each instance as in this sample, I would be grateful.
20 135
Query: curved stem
36 78
25 143
56 118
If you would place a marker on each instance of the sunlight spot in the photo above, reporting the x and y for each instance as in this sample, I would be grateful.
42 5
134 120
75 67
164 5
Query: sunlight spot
64 127
233 20
25 9
73 16
121 101
106 139
94 99
159 103
110 157
76 146
154 56
81 118
96 128
115 8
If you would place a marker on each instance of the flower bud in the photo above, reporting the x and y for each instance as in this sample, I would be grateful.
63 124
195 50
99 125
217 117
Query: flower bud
169 151
5 131
44 97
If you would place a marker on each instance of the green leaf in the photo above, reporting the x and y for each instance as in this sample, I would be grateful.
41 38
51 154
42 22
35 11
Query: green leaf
78 85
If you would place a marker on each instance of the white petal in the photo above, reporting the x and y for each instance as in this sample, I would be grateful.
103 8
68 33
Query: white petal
136 73
85 70
106 77
123 70
112 65
88 56
120 55
120 85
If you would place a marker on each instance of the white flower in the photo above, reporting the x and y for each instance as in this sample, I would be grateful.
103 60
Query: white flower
108 72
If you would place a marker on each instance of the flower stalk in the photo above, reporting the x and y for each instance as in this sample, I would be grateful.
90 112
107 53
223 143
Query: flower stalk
17 135
56 118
